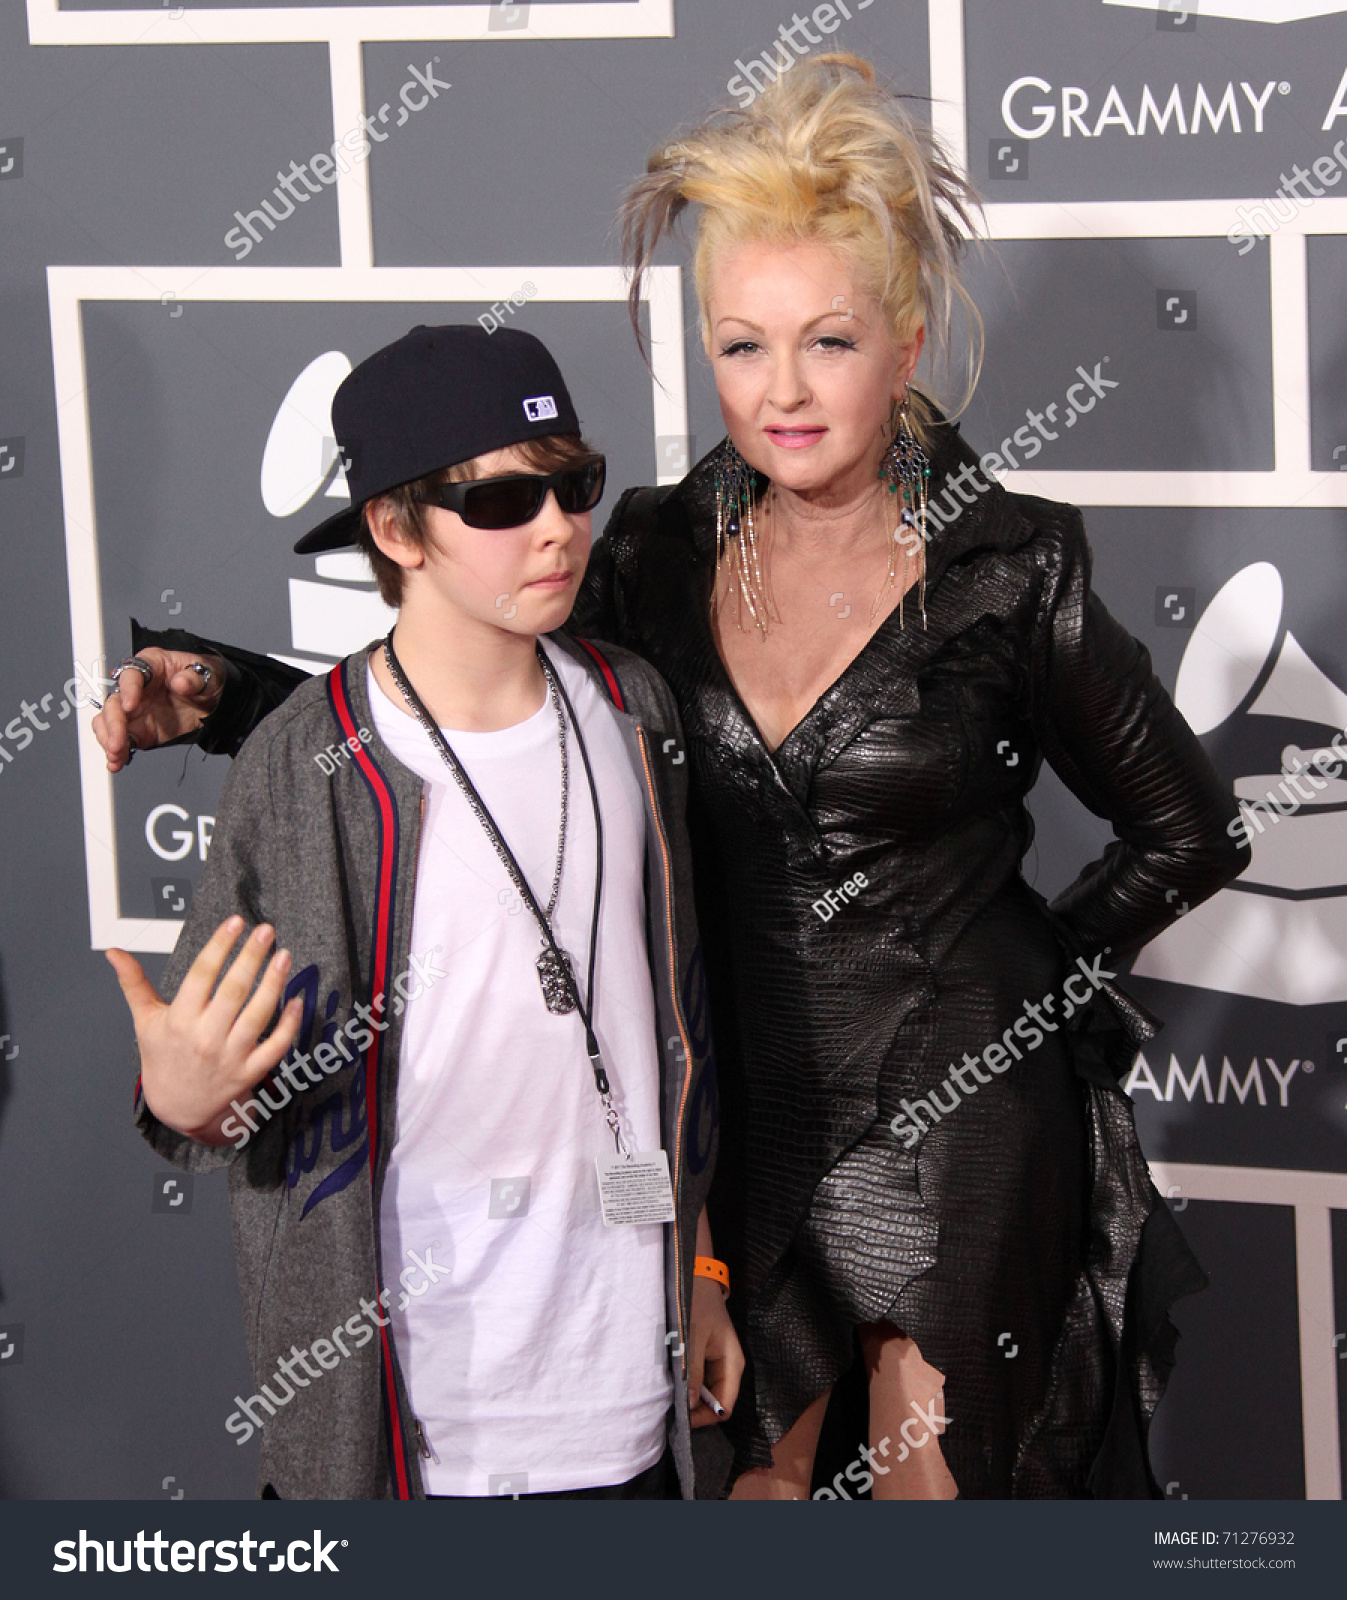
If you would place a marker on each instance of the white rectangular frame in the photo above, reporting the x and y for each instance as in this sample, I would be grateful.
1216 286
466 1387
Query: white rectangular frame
345 30
1313 1196
150 24
70 288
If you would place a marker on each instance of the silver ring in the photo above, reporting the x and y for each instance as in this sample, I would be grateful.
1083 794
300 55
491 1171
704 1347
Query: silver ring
201 668
142 667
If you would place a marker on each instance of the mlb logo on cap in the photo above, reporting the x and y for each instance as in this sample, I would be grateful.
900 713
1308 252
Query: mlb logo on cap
540 408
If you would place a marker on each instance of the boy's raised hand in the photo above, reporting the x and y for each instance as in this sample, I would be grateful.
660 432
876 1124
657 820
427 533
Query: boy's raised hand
202 1050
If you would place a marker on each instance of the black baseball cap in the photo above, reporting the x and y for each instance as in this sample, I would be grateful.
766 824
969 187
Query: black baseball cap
433 398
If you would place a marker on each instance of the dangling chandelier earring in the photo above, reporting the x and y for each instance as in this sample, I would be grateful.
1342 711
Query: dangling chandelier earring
905 469
738 551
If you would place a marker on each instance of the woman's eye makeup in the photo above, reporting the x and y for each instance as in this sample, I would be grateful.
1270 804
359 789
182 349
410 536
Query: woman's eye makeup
828 341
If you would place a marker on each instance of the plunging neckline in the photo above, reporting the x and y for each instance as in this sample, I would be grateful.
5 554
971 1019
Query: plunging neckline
773 751
941 548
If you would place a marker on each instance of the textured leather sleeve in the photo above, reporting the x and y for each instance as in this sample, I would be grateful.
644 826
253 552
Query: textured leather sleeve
1116 739
254 686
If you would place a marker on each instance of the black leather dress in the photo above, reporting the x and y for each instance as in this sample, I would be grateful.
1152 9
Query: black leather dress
1019 1240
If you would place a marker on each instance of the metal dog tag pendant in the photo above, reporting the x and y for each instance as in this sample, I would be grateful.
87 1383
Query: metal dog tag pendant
558 989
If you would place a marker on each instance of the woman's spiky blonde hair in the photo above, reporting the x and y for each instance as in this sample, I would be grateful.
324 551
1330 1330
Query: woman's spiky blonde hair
828 155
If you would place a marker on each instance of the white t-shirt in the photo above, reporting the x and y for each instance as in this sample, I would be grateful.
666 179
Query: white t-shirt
536 1359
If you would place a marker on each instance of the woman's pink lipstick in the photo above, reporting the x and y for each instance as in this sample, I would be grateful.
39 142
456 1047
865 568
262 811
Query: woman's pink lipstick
795 438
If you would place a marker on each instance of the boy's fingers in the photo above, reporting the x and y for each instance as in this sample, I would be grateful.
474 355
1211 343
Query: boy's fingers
262 1006
239 977
201 975
141 995
723 1381
269 1053
703 1416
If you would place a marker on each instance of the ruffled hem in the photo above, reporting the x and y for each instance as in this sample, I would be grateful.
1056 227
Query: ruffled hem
1115 1349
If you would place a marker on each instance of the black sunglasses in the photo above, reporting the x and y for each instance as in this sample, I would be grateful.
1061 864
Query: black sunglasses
513 500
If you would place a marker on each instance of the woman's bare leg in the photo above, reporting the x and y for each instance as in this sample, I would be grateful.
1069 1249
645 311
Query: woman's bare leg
907 1413
792 1468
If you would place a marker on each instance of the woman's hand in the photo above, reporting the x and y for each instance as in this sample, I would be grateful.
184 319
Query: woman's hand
174 700
715 1358
201 1051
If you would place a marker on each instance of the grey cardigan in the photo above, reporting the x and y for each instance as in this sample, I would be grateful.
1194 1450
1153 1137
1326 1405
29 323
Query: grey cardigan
327 853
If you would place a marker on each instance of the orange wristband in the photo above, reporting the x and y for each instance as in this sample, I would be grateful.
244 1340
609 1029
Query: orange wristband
717 1271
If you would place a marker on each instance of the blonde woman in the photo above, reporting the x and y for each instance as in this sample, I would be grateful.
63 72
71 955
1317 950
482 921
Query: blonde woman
926 1162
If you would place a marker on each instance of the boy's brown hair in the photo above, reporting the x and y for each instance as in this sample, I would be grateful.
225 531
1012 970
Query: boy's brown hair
553 453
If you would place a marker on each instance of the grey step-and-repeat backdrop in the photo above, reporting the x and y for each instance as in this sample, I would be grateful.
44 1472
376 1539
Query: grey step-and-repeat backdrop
209 214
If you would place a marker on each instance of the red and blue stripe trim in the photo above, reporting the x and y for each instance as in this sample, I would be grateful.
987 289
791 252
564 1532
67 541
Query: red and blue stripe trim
386 810
609 676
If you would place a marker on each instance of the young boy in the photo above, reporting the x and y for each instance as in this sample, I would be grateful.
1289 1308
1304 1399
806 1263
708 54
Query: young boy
466 1216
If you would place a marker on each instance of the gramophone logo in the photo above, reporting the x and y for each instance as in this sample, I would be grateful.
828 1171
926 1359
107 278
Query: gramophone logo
1279 932
341 611
301 456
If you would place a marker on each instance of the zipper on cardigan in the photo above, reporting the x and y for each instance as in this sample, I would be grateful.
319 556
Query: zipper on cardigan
682 1030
